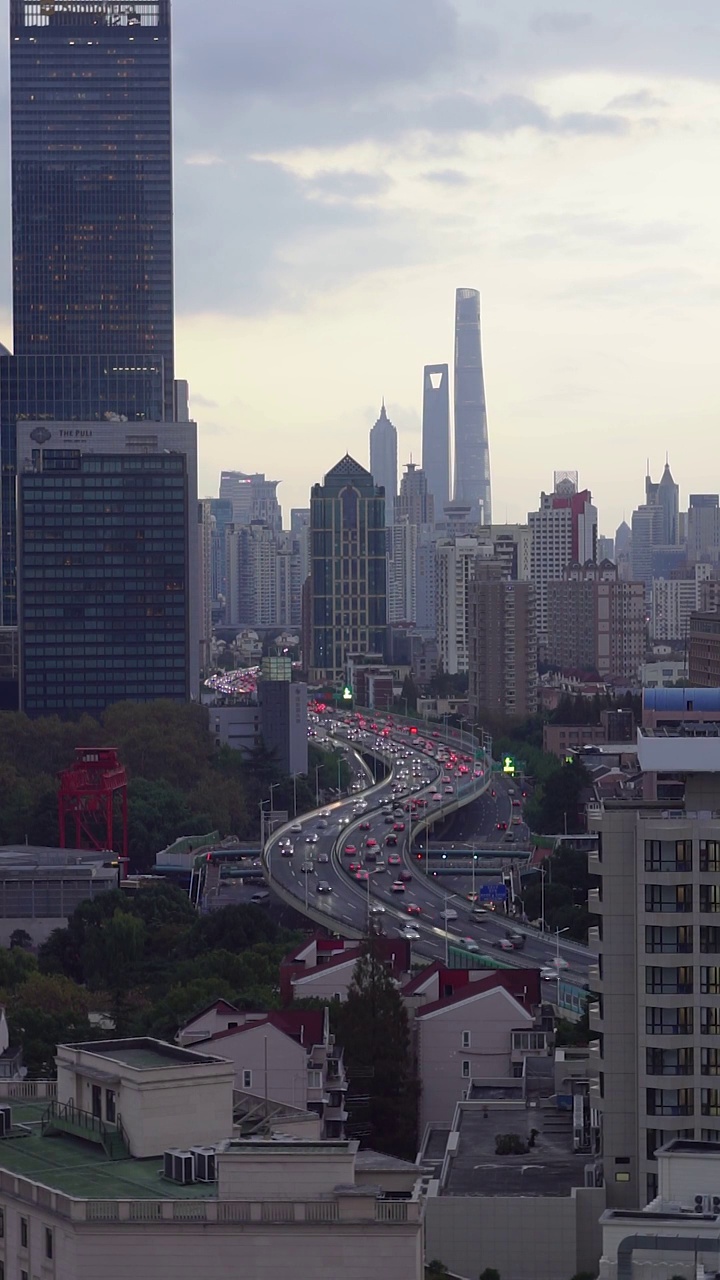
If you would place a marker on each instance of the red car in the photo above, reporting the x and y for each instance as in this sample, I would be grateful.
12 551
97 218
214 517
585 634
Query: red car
355 866
399 826
362 876
391 840
413 909
364 826
502 826
394 860
398 886
349 850
371 843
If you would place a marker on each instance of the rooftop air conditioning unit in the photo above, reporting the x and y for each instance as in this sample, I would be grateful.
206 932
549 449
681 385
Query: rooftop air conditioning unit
5 1121
205 1169
179 1166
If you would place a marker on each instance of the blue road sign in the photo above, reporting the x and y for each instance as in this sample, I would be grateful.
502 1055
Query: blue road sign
493 893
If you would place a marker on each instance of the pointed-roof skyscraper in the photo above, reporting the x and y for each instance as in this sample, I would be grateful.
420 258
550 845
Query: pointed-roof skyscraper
668 497
472 447
383 460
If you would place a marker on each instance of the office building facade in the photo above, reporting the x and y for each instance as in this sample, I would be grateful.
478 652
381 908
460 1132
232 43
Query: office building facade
472 446
563 532
596 623
436 433
503 645
347 599
108 565
384 461
455 560
252 498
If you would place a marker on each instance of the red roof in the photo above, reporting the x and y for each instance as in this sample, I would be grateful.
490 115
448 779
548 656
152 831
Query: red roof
522 984
306 1026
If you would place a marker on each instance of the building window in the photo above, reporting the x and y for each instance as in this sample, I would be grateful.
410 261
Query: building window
315 1079
651 1186
247 1079
710 898
710 855
669 1102
710 1021
110 1107
668 855
668 1022
23 1233
710 939
710 1135
48 1242
669 1062
669 897
659 940
669 982
466 1069
466 1039
709 981
710 1062
710 1102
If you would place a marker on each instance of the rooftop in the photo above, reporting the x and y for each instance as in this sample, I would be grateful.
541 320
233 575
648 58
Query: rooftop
550 1168
144 1054
82 1169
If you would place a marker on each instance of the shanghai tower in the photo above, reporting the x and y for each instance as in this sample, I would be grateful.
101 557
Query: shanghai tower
472 449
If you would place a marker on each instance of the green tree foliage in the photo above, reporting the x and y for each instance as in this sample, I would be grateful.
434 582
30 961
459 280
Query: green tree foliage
436 1270
566 893
556 807
42 1012
373 1028
490 1273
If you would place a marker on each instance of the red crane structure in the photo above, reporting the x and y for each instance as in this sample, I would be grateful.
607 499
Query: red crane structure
87 792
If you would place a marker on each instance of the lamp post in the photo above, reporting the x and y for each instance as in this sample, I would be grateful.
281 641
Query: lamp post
557 959
294 782
318 768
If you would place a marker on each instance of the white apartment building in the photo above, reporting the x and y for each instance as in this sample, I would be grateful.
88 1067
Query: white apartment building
454 570
134 1170
658 966
512 545
673 600
560 534
402 572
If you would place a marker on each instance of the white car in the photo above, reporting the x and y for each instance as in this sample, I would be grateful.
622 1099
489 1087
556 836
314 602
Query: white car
449 913
410 933
469 944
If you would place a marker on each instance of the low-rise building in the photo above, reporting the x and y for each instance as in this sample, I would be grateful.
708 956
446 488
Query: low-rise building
41 887
134 1169
510 1190
678 1233
286 1056
323 968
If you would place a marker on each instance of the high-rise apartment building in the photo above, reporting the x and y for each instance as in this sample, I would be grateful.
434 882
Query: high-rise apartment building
455 560
596 622
223 517
657 976
503 645
108 565
605 549
384 461
415 502
264 577
472 446
704 649
436 433
347 600
673 601
92 191
512 546
563 531
703 528
253 498
402 572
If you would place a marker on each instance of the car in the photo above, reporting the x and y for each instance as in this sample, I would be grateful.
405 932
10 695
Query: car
504 944
436 797
479 911
324 886
468 943
517 821
473 897
516 804
355 866
409 932
350 849
448 791
312 839
307 867
501 826
406 875
549 974
364 826
370 855
379 866
413 909
390 841
296 829
388 819
287 851
493 792
449 913
394 860
323 857
399 826
509 838
322 824
371 843
376 909
397 886
363 876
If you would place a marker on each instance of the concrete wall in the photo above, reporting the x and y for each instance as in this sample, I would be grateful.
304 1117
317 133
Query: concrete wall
524 1238
489 1017
284 1174
326 983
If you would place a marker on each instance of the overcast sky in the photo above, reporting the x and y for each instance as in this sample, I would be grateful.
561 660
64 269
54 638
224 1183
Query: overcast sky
343 165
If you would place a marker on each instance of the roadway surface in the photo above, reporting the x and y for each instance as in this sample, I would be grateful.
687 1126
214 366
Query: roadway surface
321 843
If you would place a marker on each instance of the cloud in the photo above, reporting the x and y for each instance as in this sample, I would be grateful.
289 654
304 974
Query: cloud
466 113
349 184
560 23
447 177
642 100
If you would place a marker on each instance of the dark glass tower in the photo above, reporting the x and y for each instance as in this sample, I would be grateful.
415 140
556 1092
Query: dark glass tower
472 449
91 116
436 434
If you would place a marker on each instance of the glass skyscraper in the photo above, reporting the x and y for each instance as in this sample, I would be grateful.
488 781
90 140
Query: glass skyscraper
91 120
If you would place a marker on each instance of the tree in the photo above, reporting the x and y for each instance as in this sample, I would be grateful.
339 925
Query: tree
20 938
44 1012
374 1031
490 1274
436 1270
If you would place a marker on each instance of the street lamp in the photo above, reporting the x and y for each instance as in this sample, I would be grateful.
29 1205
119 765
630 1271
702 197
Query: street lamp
294 782
318 768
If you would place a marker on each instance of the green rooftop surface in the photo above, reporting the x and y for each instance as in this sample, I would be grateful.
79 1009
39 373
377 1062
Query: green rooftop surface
82 1170
142 1057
